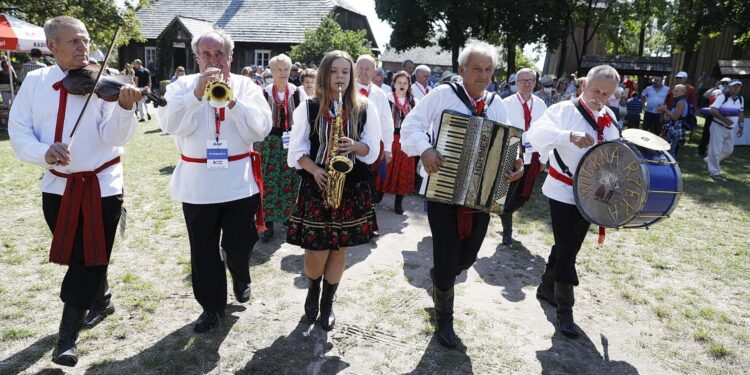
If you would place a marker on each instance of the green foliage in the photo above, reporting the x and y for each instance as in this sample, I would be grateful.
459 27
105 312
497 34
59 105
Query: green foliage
165 50
328 37
100 17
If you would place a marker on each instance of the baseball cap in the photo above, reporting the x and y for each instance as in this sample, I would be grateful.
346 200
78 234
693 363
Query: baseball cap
512 78
681 75
726 79
735 82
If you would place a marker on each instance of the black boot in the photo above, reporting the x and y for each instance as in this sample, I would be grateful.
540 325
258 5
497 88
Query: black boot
327 318
565 301
507 220
268 234
444 313
397 205
313 298
102 308
65 353
546 290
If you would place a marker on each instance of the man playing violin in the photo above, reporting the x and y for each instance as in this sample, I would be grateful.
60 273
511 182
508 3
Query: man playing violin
83 186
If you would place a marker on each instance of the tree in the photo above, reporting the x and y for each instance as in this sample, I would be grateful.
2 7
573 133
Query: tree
100 17
689 21
328 37
587 17
421 23
505 23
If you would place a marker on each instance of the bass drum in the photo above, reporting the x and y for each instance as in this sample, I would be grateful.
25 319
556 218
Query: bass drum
619 184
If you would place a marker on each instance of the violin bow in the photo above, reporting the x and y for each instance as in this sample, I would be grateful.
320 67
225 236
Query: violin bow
96 82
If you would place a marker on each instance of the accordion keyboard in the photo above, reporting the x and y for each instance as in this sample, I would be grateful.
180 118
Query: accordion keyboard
450 141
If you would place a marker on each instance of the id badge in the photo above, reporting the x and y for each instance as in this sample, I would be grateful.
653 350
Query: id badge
285 139
217 154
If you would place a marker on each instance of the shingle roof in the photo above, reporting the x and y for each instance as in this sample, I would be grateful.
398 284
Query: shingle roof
245 20
194 26
429 56
734 67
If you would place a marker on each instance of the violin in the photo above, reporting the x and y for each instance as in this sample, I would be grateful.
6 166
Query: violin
82 81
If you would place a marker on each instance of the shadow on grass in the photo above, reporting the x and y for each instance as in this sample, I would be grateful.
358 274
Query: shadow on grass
181 352
578 356
167 170
24 359
302 351
511 268
417 265
440 360
152 131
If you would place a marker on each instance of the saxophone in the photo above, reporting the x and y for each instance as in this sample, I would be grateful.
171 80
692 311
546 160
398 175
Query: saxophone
338 166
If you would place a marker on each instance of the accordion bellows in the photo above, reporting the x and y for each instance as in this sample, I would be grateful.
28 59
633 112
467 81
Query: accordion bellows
478 152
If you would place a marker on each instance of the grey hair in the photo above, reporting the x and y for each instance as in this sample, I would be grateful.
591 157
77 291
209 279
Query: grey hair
479 48
603 72
367 58
422 68
380 72
526 71
53 24
228 43
282 58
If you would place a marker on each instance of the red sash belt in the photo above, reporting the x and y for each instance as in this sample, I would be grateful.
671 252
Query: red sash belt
81 192
534 169
560 177
256 165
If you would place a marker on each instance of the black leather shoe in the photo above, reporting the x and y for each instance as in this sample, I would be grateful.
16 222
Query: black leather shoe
268 234
444 313
567 325
206 321
546 290
242 291
507 221
565 298
96 315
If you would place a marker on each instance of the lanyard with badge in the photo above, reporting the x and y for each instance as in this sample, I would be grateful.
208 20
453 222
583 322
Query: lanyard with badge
217 149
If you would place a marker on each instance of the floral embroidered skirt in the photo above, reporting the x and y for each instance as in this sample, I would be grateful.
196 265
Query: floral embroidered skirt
399 172
280 181
314 226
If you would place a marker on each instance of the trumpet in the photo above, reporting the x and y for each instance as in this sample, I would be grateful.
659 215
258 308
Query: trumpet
338 166
218 93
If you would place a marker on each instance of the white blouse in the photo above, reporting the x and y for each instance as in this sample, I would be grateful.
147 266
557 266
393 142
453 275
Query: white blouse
299 140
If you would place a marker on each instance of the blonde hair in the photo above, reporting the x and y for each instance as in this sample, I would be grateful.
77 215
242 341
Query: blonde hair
282 58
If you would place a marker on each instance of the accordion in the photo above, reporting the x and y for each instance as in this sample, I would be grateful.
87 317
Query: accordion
478 152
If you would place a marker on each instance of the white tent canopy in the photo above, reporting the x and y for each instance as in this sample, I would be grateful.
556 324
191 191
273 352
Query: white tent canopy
20 36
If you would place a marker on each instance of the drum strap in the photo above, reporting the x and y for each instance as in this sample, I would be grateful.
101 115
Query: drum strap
564 168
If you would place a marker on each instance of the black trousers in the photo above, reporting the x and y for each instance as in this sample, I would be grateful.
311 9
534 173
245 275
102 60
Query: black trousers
82 284
569 228
515 200
234 224
450 254
706 136
652 122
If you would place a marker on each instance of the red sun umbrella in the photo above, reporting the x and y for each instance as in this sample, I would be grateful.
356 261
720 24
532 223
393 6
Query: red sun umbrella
20 36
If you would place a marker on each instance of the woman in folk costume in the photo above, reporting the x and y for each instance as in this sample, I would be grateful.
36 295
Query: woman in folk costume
399 172
279 180
322 230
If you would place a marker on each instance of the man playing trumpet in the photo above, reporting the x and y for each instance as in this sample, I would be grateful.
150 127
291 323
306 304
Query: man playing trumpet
218 177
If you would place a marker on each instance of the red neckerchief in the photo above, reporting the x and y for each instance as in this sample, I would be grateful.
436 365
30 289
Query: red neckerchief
526 111
330 117
365 92
426 89
284 104
604 121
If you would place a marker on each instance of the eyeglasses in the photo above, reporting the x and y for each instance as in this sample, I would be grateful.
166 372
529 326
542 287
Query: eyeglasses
526 81
548 86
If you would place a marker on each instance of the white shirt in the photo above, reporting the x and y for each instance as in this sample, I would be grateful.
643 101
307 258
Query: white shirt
552 131
424 118
299 139
386 89
419 91
731 103
514 106
191 123
103 130
378 99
